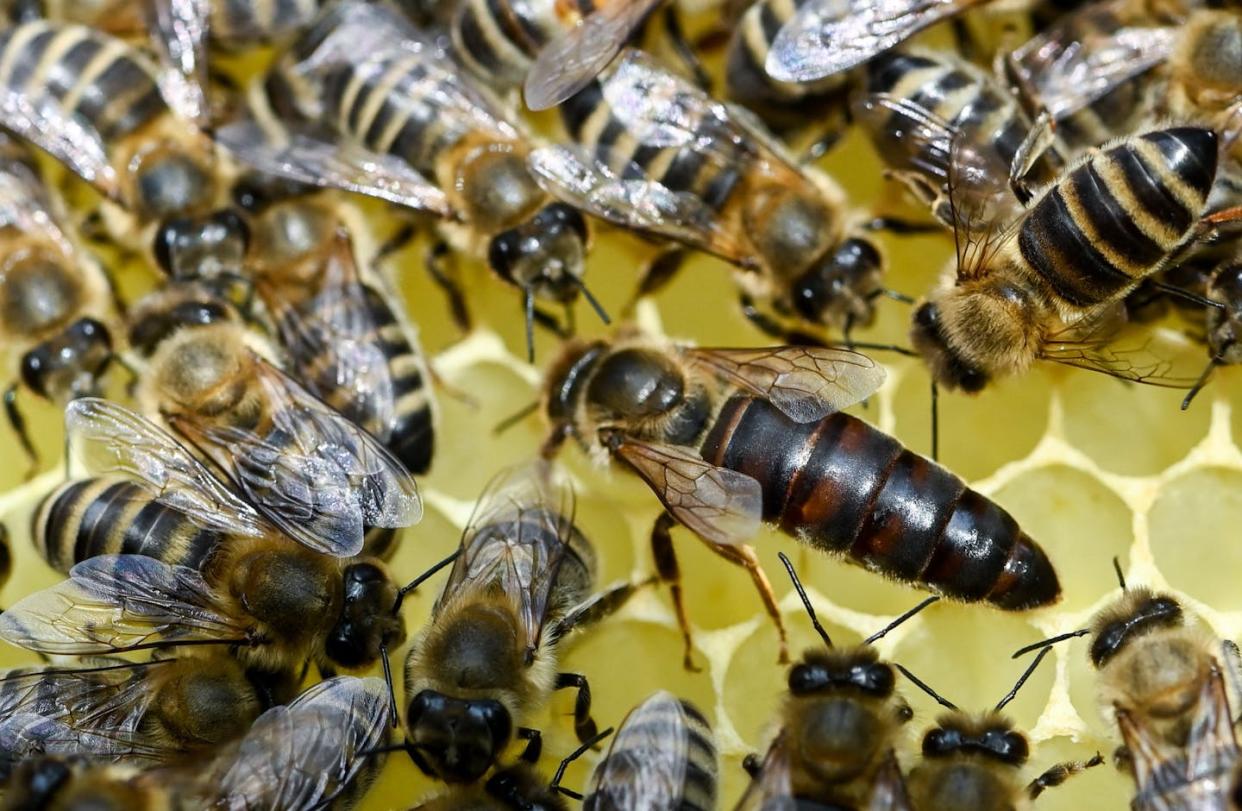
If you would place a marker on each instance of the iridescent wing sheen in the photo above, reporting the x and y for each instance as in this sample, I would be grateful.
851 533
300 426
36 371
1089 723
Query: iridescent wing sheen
26 735
772 788
825 37
515 542
314 474
106 438
719 505
117 603
647 760
25 205
306 157
805 383
304 756
179 35
66 136
570 61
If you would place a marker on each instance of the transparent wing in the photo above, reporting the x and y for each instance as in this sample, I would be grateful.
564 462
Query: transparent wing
314 474
515 541
69 138
303 756
107 438
26 735
179 34
305 158
647 760
569 62
805 383
1095 344
720 505
772 789
1211 746
335 333
116 603
888 791
641 203
24 202
983 211
925 138
825 37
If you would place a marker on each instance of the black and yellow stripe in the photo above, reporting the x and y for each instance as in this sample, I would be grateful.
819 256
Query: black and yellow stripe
242 22
499 39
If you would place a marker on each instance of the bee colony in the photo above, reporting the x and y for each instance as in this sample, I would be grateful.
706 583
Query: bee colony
434 405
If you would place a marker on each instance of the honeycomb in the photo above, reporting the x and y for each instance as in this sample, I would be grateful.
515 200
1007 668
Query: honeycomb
1092 468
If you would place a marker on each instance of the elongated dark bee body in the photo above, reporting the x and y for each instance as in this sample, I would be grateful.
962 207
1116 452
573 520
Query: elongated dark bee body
1118 216
499 39
845 487
241 22
89 517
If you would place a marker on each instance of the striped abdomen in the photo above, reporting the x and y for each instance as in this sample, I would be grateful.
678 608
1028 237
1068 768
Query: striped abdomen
246 22
499 39
90 517
845 487
981 111
92 75
1116 218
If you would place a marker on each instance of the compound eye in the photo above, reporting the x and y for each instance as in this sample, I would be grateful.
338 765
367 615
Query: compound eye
927 316
166 239
804 679
939 741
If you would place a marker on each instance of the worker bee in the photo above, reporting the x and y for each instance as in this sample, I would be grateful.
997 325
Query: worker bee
343 337
656 154
521 581
921 109
974 760
1047 285
728 438
54 298
405 112
663 758
1223 325
839 723
155 524
1165 685
314 753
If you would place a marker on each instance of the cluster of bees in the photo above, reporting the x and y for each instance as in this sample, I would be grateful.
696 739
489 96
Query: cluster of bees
228 522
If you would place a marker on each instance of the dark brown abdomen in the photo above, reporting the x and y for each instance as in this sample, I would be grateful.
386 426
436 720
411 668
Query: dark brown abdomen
845 487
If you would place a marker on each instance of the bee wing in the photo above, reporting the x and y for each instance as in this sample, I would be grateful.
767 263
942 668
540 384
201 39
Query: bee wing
116 603
806 383
69 138
1090 345
719 505
336 333
825 37
928 137
107 438
515 541
1211 746
888 791
306 158
640 203
25 735
24 202
179 34
772 789
325 482
647 761
570 61
303 756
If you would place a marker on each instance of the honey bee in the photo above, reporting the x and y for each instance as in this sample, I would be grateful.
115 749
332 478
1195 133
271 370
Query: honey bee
1223 325
727 438
974 760
54 299
415 130
521 581
662 759
155 525
655 154
313 753
1165 685
1047 285
839 723
345 335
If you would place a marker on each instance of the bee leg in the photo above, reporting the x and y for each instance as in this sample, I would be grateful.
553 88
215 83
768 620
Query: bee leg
1038 141
436 258
1059 773
584 724
681 47
821 145
534 744
657 274
963 39
404 235
774 329
898 225
598 606
665 557
18 422
744 555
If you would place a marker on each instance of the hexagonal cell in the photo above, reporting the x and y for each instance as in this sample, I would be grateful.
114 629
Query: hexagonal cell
1191 524
1129 429
1084 692
1078 521
853 586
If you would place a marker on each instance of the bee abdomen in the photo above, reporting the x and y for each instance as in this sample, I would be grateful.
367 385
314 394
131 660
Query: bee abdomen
240 22
845 487
91 517
1114 219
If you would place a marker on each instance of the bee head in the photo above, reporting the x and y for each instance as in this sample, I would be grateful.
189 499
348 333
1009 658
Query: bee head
543 254
1225 326
69 365
841 286
991 736
948 365
567 378
520 788
202 247
367 622
1138 613
830 671
36 781
456 740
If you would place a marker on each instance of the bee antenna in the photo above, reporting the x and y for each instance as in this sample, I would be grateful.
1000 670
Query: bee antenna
896 295
1026 674
1202 381
528 304
919 683
392 694
1121 578
1189 295
899 620
418 581
555 785
586 293
806 601
1050 641
516 417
